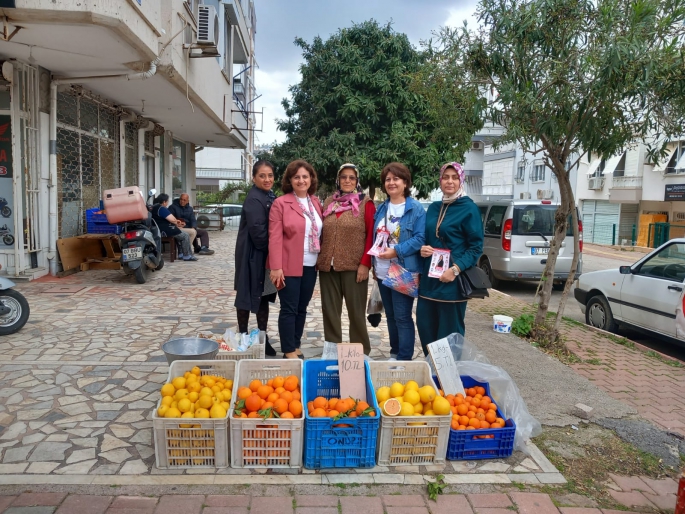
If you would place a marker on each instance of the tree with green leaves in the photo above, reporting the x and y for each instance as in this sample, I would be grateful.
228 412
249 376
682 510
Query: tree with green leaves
566 78
354 104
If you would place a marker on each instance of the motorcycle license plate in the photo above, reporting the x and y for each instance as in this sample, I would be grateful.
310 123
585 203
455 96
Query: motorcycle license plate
132 254
539 251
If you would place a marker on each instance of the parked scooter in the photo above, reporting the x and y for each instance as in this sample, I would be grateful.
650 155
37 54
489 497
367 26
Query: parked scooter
141 245
5 211
7 238
14 309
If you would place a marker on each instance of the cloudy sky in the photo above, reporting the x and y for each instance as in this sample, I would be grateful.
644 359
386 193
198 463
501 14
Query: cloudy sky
279 22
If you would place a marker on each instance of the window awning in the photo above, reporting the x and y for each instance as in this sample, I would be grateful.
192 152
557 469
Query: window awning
680 165
663 163
593 166
612 163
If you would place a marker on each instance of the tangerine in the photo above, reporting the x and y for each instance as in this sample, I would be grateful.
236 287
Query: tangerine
332 402
279 390
474 422
476 402
454 424
278 382
280 405
333 413
500 421
480 390
296 395
320 402
490 416
492 406
287 415
471 391
470 414
484 424
291 383
463 420
288 396
263 392
461 427
295 408
244 392
254 385
253 403
318 413
480 416
361 407
272 398
310 407
253 414
462 409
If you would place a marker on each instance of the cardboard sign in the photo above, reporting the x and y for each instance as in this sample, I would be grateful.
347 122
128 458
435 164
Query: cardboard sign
446 368
351 370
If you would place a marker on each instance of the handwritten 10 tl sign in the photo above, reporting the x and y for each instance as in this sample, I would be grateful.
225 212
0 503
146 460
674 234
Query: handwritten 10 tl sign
351 370
446 368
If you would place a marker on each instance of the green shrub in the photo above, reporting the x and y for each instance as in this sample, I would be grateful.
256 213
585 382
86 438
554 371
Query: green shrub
523 325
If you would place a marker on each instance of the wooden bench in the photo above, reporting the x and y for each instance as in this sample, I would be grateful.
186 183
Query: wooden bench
172 247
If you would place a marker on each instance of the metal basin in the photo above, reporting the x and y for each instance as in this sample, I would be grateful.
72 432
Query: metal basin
190 348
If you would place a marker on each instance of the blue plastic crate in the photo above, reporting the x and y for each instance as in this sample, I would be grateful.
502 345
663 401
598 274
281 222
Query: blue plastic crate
98 224
329 446
465 444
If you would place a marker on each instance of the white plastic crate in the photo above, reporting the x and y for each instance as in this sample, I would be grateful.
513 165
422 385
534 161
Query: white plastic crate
193 443
409 440
256 351
265 443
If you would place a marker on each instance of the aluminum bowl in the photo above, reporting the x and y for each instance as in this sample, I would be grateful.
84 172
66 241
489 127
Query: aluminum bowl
190 349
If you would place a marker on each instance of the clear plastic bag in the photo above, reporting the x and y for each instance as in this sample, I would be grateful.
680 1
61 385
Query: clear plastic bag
375 304
330 352
504 391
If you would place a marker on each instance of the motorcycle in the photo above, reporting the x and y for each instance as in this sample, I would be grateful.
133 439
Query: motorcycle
141 245
7 238
14 309
4 208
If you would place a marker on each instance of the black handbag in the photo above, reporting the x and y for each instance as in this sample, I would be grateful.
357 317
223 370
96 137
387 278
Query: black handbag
473 283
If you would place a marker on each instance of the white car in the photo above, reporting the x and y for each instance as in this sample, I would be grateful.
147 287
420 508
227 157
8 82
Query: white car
230 212
647 295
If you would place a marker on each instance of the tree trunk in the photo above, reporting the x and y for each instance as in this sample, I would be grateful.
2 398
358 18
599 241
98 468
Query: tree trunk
574 262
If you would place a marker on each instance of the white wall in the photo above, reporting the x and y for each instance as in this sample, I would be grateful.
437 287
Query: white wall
218 158
498 177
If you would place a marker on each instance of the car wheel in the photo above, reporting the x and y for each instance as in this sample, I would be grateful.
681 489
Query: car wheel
598 314
559 286
485 266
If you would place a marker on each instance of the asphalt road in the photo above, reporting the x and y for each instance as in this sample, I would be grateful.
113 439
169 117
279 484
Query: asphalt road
595 261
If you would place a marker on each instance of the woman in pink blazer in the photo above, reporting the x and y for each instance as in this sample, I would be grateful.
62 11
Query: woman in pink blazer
295 223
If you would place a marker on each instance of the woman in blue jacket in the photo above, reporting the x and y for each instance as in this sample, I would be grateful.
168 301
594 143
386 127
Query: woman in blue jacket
453 224
402 219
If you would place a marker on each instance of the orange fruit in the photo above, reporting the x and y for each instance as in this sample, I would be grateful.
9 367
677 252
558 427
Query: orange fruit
320 402
272 398
332 413
486 400
454 424
296 395
267 405
254 385
500 421
470 414
263 392
253 403
490 416
371 414
474 422
288 396
270 382
476 402
462 409
287 415
244 392
278 382
471 391
473 408
484 424
310 407
318 413
353 414
343 405
461 427
279 390
361 407
480 390
280 406
253 415
291 383
463 420
295 408
470 428
459 400
480 416
332 402
453 409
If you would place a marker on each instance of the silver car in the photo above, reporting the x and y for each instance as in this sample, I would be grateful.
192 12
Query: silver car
518 234
230 212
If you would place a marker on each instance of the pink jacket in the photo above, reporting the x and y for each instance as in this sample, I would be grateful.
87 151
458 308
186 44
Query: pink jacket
286 234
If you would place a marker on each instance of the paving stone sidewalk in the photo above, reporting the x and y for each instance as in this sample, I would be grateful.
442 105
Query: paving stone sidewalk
494 503
651 383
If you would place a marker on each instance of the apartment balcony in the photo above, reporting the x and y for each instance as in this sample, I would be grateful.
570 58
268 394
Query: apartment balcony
626 189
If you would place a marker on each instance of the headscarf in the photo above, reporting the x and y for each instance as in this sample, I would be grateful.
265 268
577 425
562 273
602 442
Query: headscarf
346 201
461 191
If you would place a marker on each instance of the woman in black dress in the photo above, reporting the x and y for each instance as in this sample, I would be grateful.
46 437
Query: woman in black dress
252 283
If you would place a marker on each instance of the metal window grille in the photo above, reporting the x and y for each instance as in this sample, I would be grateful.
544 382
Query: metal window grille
87 156
130 154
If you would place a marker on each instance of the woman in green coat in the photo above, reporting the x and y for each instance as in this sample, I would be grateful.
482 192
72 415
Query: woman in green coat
454 242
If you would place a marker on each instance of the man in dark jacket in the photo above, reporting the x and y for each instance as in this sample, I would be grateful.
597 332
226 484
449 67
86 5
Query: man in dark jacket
182 210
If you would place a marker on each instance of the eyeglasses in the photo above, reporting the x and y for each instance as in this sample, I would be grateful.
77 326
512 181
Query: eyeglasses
348 177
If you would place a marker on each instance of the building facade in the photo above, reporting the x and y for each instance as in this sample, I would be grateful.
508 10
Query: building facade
100 95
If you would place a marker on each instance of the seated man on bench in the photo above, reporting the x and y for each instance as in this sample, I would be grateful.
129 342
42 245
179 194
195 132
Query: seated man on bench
171 226
182 209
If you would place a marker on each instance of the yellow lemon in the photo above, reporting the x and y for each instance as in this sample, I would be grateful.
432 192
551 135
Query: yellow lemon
391 407
184 405
383 393
196 371
193 397
441 406
229 384
428 413
396 390
411 386
225 405
201 413
168 390
172 413
418 408
162 410
167 400
407 409
190 379
205 401
186 375
382 404
180 394
187 415
206 391
427 394
216 388
227 395
217 411
179 383
174 405
194 387
210 382
427 406
411 396
220 396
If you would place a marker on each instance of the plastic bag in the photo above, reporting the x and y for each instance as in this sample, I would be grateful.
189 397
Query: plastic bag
231 341
375 304
330 352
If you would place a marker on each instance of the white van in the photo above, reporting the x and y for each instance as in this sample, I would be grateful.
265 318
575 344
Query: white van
518 234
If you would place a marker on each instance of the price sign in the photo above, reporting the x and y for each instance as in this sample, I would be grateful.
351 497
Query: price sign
446 368
351 369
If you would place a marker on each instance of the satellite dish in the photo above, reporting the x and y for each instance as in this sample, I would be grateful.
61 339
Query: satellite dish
203 221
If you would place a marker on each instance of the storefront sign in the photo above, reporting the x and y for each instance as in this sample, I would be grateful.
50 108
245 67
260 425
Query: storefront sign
6 183
674 193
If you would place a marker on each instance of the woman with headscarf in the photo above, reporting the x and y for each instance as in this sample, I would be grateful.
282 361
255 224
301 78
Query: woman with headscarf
343 263
453 225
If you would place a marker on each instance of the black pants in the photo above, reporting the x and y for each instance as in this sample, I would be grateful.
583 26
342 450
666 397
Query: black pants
294 298
203 236
262 316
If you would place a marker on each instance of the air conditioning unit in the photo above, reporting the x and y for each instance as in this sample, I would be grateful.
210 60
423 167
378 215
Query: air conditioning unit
541 194
476 145
525 195
547 194
207 26
596 183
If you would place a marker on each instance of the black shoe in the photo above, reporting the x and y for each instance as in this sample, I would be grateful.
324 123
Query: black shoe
269 350
197 249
